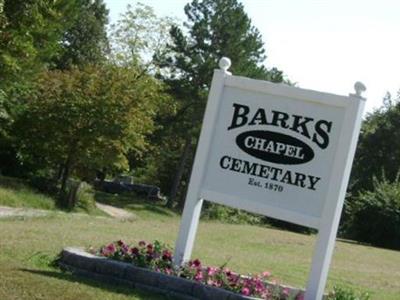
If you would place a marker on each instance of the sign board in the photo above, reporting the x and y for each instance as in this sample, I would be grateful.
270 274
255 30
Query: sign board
275 150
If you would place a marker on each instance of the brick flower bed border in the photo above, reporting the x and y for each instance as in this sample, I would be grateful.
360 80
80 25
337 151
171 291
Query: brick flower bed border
82 263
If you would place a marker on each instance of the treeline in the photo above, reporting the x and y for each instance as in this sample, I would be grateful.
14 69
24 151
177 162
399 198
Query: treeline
81 99
372 208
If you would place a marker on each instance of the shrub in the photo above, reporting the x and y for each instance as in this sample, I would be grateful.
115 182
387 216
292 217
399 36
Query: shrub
213 211
85 198
375 215
346 293
44 185
79 195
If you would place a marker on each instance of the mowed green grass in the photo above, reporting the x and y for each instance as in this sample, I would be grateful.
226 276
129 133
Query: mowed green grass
27 245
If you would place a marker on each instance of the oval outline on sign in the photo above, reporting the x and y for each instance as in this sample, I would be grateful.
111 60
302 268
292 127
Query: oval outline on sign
306 152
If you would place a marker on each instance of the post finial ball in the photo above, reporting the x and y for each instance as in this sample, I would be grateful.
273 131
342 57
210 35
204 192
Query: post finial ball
224 63
359 87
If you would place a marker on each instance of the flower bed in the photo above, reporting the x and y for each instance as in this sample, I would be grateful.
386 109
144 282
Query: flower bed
158 257
149 267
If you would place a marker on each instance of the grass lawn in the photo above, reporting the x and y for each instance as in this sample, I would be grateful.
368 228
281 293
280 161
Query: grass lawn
27 245
15 193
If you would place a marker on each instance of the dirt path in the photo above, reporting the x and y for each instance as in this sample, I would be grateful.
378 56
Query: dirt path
116 212
6 211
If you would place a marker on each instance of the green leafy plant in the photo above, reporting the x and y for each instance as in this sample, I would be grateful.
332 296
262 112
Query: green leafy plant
346 293
375 215
85 197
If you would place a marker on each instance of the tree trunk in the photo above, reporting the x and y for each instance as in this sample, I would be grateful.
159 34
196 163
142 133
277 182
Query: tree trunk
65 175
179 172
60 171
73 195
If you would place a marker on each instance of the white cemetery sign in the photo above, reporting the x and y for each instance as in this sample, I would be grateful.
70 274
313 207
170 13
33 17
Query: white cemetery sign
275 150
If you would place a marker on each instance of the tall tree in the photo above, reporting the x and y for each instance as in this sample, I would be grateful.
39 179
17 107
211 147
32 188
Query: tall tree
88 119
85 40
378 150
30 34
214 29
139 35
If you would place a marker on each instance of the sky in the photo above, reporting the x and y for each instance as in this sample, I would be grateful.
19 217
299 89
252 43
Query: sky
324 45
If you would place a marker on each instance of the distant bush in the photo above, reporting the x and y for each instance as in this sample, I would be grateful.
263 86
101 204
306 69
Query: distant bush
79 195
345 293
85 198
12 182
44 185
374 216
226 214
213 211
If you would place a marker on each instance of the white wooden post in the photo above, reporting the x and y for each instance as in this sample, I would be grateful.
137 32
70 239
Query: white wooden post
193 203
331 215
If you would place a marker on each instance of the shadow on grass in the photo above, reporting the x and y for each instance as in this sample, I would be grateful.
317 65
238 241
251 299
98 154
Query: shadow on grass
132 202
119 289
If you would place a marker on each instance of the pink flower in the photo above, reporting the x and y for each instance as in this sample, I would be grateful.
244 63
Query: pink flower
168 271
266 274
108 250
211 282
286 292
150 249
125 249
245 291
300 296
211 271
196 263
111 247
199 276
142 243
167 255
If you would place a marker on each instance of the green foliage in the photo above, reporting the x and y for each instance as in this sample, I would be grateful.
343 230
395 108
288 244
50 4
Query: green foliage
378 148
139 35
370 209
346 293
85 198
17 193
375 215
213 29
156 256
226 214
30 35
85 39
89 119
30 32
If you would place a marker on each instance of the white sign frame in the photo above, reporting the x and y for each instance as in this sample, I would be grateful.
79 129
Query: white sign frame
327 224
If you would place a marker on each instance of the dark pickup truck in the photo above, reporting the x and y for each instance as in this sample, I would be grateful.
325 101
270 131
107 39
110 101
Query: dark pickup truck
115 187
